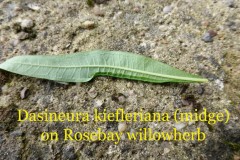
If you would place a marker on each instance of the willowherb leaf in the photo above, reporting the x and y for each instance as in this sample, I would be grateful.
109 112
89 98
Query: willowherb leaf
82 67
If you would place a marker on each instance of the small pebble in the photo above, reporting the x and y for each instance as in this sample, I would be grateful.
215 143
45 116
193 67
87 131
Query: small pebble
23 36
15 42
212 33
98 12
166 150
208 36
98 103
92 92
118 15
205 23
123 137
26 23
179 126
121 99
137 9
129 85
34 6
88 24
127 2
132 130
122 126
5 89
163 28
24 93
185 103
191 123
68 45
167 9
219 83
3 39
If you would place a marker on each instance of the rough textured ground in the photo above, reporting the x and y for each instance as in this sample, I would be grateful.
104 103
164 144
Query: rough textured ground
59 27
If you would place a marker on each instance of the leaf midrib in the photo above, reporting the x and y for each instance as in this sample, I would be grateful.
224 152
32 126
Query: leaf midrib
122 68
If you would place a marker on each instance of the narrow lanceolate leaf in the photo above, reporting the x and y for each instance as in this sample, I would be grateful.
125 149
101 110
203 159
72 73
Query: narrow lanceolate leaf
82 67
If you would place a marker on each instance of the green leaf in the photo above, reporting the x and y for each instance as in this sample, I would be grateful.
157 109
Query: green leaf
82 67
